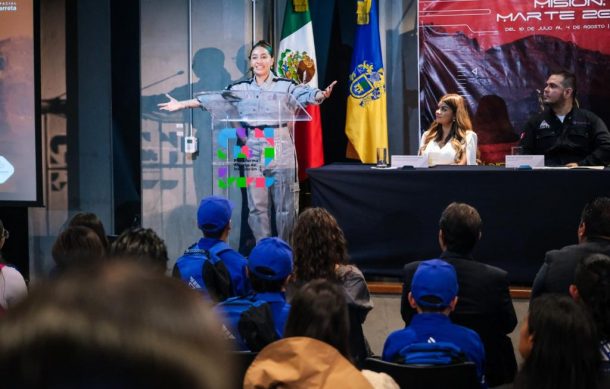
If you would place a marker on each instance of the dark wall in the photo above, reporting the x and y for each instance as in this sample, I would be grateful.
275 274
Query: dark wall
103 68
125 68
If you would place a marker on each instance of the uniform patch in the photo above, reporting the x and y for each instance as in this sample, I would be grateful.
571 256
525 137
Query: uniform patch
543 125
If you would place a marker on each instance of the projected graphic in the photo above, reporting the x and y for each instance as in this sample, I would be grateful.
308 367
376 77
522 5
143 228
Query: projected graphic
497 54
19 169
243 158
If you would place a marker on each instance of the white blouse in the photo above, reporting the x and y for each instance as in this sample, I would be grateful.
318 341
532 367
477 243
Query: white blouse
446 155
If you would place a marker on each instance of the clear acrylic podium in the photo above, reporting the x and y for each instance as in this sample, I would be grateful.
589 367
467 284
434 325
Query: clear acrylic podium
253 154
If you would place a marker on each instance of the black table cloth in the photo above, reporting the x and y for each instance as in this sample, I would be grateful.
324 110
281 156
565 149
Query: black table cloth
390 217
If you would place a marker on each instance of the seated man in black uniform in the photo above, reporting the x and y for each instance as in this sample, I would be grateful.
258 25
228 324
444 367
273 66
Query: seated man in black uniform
484 303
564 133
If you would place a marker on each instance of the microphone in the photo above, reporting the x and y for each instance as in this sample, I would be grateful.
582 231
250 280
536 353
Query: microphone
179 72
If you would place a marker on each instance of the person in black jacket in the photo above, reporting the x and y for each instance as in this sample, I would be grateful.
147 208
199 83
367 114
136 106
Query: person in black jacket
557 272
564 133
484 302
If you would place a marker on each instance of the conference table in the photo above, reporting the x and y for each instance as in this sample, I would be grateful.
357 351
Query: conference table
390 216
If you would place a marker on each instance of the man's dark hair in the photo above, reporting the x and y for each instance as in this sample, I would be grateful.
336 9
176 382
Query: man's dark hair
596 216
461 226
141 245
77 247
265 286
215 234
592 279
569 79
90 220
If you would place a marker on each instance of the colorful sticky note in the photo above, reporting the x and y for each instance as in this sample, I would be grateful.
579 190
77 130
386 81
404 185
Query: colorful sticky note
269 152
269 132
241 182
223 171
258 133
260 182
269 181
224 135
221 154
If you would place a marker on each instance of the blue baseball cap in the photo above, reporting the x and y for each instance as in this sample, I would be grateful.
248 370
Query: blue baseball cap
271 259
434 278
214 214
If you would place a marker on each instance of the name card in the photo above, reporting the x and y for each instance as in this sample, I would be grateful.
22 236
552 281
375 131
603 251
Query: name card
515 161
409 160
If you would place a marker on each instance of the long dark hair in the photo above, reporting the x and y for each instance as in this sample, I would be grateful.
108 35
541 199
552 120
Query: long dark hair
592 279
565 352
319 311
318 244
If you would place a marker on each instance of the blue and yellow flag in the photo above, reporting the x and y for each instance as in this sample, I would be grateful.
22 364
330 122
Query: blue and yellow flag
366 124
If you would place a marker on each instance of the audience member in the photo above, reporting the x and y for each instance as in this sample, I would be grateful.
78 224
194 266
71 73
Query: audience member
315 351
76 247
592 287
559 345
12 285
434 295
485 305
320 251
557 272
90 220
258 319
210 265
141 245
118 325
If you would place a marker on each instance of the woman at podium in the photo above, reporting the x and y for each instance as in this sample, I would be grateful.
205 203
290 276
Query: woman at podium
450 139
283 194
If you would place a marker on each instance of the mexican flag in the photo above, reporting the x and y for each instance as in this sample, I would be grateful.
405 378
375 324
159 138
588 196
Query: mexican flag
297 60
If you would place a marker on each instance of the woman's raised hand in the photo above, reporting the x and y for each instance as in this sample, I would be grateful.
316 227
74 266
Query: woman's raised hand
329 90
172 105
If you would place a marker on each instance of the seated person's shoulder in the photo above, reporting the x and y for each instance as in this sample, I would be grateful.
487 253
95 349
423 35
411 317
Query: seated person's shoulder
564 252
411 267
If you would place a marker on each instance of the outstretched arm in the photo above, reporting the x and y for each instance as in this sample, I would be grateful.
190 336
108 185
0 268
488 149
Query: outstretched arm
174 105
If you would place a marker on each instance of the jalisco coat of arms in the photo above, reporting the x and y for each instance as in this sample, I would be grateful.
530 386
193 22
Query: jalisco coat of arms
298 66
366 84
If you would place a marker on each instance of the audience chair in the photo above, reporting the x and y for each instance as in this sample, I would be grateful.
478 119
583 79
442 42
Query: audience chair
242 361
456 376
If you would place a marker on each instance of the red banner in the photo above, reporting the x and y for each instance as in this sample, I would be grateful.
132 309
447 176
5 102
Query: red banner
497 54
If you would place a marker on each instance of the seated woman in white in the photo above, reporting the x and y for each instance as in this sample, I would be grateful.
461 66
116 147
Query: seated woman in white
450 140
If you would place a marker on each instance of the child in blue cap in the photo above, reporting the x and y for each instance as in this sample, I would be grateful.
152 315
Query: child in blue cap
431 338
228 276
258 319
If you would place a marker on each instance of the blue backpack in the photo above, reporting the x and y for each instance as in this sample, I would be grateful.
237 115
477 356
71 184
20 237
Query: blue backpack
250 322
204 271
439 353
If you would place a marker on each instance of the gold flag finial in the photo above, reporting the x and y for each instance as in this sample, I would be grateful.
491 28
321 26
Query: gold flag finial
300 5
363 11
